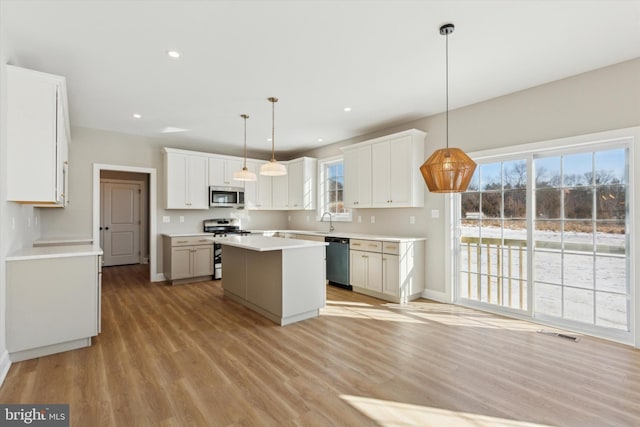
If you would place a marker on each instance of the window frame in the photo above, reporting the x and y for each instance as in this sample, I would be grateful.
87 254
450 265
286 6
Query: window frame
323 164
612 138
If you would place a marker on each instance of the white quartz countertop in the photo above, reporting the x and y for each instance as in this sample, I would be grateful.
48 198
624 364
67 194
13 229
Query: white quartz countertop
64 251
384 238
265 243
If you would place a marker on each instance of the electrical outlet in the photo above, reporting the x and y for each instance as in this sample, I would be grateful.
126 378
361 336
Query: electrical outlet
359 218
13 223
289 218
35 220
29 221
412 219
435 213
373 219
181 218
308 218
166 219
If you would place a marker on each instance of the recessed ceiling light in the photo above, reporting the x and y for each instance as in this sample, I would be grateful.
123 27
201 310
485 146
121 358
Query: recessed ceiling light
137 116
347 109
173 53
269 139
172 129
320 139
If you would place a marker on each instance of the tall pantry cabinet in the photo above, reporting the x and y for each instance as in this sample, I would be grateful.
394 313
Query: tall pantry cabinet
37 137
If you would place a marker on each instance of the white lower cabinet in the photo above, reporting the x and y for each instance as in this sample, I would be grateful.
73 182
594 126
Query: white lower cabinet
187 259
53 304
393 271
366 270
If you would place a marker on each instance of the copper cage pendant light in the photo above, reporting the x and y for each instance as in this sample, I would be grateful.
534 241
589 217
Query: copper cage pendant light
448 170
244 174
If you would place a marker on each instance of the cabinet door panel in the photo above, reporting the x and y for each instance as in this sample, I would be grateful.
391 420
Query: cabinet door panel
34 108
374 272
280 192
181 262
400 171
358 269
390 274
295 184
380 179
176 181
198 182
202 260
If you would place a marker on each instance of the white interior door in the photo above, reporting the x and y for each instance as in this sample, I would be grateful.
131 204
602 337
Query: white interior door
121 223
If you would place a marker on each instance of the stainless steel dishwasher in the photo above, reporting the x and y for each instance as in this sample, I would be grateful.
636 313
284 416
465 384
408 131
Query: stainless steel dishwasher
338 261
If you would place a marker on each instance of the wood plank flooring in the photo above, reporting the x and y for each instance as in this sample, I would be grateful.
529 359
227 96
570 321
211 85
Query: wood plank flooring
185 355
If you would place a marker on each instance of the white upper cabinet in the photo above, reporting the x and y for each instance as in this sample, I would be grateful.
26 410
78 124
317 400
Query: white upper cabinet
389 175
357 177
294 191
186 180
221 171
302 183
280 191
37 133
257 194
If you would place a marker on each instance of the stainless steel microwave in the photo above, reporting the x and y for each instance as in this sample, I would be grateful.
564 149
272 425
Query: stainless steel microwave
226 197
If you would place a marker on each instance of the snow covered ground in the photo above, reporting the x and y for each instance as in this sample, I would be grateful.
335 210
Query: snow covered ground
595 285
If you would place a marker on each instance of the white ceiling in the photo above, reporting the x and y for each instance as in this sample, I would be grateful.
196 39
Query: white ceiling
384 59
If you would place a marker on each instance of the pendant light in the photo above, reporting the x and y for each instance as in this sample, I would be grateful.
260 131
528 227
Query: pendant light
273 168
448 170
244 174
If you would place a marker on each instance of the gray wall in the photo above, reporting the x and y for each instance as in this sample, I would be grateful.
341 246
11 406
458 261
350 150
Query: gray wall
89 146
604 99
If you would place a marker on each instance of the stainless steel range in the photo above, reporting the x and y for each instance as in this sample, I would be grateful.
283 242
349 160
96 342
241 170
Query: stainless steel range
221 227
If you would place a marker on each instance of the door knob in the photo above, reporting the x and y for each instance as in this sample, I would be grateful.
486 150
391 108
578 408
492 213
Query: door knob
106 228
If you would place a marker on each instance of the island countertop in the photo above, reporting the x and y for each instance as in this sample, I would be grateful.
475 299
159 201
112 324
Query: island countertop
265 243
55 252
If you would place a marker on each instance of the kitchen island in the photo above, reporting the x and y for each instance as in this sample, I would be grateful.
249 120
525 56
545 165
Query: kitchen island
282 279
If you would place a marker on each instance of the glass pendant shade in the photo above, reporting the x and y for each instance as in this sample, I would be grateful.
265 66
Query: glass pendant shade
273 168
448 170
244 175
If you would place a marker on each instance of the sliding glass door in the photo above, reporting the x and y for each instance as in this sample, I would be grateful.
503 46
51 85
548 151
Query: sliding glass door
546 235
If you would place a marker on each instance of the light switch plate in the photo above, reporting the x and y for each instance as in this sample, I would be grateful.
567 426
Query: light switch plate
359 218
181 218
166 218
435 213
373 219
412 219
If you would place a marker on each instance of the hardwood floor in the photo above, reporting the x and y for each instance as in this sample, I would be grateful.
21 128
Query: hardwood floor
184 355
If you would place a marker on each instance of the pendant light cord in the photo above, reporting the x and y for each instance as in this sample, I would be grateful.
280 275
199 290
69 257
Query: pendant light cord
273 129
245 117
447 84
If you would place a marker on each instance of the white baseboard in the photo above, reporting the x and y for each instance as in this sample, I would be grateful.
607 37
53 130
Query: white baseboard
5 364
436 296
158 277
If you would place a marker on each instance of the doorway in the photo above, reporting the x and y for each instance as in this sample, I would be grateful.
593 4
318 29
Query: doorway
149 242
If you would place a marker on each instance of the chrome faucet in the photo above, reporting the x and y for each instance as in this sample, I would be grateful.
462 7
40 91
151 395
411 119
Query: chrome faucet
330 221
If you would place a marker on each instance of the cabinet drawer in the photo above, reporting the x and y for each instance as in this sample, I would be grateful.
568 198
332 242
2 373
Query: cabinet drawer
191 240
392 248
366 245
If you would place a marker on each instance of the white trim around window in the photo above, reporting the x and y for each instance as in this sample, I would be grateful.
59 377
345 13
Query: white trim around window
323 165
